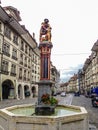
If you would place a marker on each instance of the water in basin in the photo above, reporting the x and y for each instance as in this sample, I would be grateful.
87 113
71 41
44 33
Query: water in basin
28 111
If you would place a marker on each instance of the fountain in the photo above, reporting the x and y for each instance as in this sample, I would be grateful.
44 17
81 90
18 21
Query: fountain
44 90
46 114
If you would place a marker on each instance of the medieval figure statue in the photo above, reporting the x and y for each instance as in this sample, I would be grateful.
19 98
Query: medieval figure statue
45 31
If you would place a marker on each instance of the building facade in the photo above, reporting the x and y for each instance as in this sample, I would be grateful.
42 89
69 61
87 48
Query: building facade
19 68
88 75
19 58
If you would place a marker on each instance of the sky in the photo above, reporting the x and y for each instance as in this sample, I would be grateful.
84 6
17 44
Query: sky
74 29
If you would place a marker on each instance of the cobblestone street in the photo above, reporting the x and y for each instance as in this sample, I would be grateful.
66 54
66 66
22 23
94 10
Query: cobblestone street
92 112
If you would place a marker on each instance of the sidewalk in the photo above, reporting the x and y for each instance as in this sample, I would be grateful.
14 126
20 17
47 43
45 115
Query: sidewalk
11 102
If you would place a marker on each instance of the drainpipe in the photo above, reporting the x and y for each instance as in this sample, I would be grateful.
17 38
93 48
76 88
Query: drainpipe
79 80
1 59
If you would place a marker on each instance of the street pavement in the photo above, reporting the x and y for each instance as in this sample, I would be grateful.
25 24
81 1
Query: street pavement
92 111
81 100
70 99
11 102
65 100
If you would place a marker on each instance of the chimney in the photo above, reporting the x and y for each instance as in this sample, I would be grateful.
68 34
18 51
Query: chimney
33 35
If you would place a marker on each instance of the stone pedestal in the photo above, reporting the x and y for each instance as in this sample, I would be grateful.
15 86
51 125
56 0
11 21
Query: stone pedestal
44 86
44 110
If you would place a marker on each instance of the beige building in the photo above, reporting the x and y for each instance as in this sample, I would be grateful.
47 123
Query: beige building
35 71
81 80
19 56
55 77
73 83
88 76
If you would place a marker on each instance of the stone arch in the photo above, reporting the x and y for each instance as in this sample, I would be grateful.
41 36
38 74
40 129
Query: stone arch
33 91
26 91
8 90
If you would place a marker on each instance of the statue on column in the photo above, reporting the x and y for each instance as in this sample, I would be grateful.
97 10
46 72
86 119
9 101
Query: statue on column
45 31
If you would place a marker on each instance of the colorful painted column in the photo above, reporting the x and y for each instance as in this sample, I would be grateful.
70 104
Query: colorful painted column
45 47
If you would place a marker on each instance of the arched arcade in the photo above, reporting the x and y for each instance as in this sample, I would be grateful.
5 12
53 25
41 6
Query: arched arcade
8 89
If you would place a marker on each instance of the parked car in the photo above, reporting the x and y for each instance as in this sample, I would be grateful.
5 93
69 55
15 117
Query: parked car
77 93
94 92
92 95
63 94
95 101
55 94
58 93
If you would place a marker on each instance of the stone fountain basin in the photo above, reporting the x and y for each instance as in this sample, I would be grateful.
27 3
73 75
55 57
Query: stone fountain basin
77 119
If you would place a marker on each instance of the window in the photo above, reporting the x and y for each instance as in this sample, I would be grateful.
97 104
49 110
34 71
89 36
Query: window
7 32
14 54
25 61
22 45
32 68
38 70
0 27
24 74
15 39
35 69
25 48
6 49
33 57
28 75
0 45
29 63
20 73
4 67
13 70
29 52
21 58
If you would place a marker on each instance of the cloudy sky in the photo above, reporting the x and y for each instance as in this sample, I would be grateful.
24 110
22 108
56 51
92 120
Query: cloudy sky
74 28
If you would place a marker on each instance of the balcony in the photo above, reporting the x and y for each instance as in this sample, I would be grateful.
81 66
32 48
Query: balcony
15 41
25 65
24 79
6 53
20 78
14 57
13 74
21 62
4 72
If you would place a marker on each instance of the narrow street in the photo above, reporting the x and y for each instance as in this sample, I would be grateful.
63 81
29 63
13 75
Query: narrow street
84 102
81 100
92 111
65 100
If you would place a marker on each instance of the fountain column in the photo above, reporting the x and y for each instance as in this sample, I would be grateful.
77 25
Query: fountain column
45 46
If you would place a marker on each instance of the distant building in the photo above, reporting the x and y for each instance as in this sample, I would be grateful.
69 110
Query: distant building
87 77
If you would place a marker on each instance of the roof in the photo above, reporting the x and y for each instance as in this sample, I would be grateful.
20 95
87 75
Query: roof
13 12
95 46
11 21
